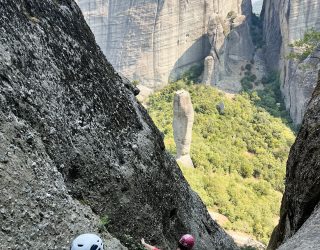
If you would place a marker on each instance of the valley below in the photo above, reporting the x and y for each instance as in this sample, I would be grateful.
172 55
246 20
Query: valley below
156 118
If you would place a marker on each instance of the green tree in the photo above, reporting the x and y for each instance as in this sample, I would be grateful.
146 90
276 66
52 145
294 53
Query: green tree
239 156
306 45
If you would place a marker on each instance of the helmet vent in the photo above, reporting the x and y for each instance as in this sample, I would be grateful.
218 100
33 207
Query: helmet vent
94 247
80 245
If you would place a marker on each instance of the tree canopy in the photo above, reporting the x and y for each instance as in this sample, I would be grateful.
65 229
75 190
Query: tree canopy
239 155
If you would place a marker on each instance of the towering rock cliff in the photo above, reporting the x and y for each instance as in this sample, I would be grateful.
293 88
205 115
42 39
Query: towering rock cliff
76 146
299 217
286 21
298 87
232 48
272 33
156 41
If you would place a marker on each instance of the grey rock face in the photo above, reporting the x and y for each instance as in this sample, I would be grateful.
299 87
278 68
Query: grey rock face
307 237
236 51
36 211
299 216
71 130
285 22
301 83
183 117
232 47
272 32
150 41
156 41
296 18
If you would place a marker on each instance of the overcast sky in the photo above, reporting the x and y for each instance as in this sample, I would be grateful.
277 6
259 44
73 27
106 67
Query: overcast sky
257 5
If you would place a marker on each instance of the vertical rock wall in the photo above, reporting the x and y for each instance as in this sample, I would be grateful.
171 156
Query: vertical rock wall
157 40
231 46
298 227
231 49
285 22
299 84
272 32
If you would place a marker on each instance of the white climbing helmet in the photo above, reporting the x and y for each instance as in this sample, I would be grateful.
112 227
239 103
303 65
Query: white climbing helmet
87 242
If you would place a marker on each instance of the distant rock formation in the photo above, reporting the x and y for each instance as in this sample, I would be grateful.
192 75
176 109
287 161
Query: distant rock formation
76 146
156 41
299 225
300 85
183 117
284 22
208 70
232 47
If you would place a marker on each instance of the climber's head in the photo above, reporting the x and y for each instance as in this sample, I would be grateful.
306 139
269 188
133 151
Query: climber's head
87 242
186 242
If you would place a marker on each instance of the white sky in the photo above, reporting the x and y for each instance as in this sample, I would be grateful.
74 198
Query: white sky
257 5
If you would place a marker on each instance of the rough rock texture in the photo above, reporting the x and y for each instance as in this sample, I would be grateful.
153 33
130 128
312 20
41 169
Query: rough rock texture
232 48
272 33
297 17
154 41
286 21
149 41
298 227
307 237
303 80
237 51
36 211
183 117
71 130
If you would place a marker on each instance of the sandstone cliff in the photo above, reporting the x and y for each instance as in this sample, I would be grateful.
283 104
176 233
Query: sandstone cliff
299 217
75 144
157 41
232 51
285 22
298 87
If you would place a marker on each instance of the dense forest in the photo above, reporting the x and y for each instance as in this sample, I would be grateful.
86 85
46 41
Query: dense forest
239 153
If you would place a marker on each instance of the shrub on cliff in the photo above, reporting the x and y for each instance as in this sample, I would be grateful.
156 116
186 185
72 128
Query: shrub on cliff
306 45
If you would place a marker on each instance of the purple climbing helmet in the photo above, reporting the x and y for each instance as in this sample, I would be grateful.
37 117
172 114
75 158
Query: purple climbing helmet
187 241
